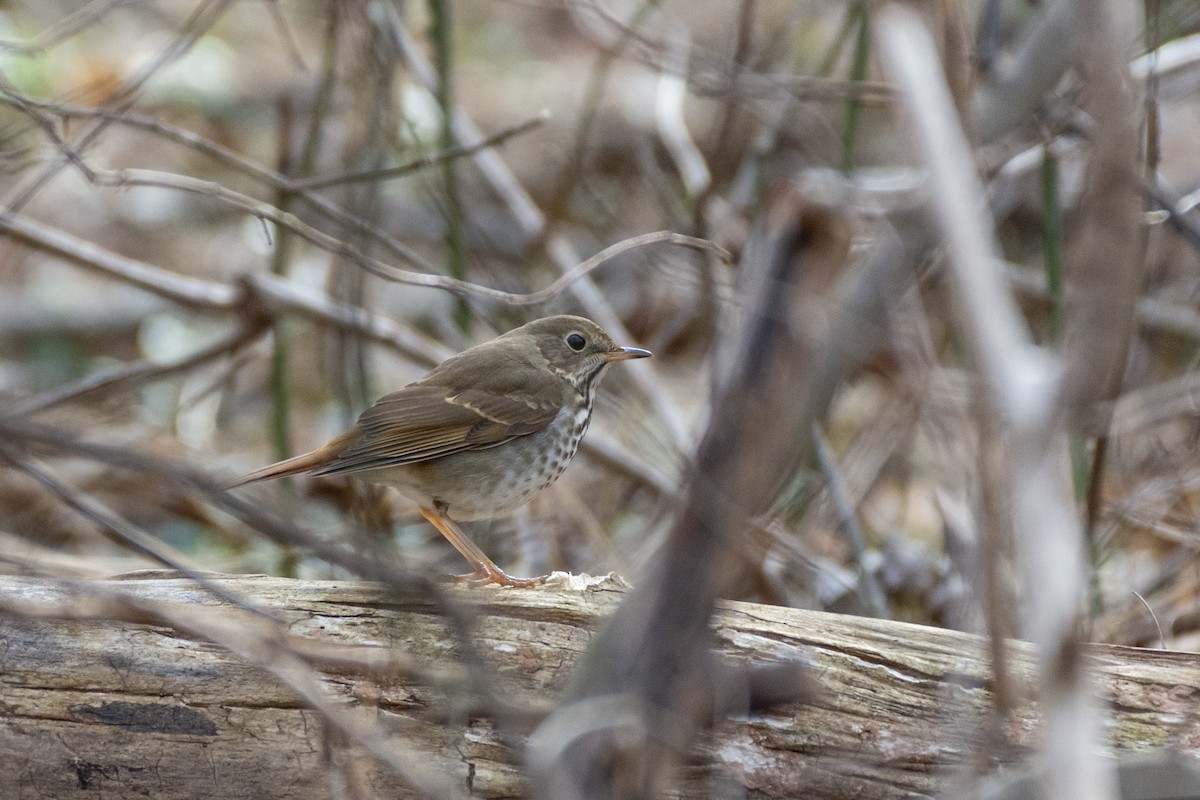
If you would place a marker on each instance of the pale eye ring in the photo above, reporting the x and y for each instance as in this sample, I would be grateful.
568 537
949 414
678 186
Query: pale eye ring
576 342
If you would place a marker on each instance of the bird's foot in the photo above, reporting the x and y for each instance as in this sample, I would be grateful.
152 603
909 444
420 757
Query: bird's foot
494 575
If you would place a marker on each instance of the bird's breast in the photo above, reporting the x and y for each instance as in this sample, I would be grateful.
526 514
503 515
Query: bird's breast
491 482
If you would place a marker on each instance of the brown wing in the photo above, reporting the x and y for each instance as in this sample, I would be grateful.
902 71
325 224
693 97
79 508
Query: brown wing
427 420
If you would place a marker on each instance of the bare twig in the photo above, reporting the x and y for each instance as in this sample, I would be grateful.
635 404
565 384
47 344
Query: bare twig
204 294
446 154
868 584
188 292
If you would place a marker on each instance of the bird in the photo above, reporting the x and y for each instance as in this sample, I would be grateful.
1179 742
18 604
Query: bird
481 434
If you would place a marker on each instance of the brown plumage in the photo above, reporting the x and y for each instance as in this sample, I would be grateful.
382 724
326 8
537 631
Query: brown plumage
482 433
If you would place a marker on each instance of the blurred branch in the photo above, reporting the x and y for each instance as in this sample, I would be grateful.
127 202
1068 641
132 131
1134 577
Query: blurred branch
671 125
110 523
272 292
802 87
1022 389
1175 210
1014 371
591 96
645 687
1106 261
860 14
1152 313
1169 60
292 159
441 35
1014 88
278 295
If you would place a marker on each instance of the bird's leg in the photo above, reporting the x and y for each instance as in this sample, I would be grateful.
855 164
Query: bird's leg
485 570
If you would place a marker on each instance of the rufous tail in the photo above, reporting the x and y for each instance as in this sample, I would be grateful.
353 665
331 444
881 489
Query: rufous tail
298 464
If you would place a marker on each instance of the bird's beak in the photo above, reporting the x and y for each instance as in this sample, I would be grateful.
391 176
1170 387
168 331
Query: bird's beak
626 353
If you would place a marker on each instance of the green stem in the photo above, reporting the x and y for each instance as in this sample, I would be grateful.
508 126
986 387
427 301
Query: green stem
1052 240
443 45
858 73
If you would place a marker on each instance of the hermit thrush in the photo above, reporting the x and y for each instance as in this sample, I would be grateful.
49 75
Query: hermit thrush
481 434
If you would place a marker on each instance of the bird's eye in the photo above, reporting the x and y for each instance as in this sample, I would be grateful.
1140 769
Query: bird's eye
576 342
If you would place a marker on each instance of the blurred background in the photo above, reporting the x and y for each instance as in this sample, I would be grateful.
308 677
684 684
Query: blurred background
215 215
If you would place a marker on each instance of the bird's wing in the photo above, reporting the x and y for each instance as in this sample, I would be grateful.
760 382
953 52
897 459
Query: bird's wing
425 420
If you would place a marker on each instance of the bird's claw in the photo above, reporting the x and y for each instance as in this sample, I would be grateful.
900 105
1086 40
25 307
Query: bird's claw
484 576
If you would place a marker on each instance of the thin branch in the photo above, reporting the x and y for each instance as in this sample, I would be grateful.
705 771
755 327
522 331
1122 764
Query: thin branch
868 584
197 293
424 162
138 372
189 292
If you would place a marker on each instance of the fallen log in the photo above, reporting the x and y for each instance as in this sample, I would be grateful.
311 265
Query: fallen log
154 686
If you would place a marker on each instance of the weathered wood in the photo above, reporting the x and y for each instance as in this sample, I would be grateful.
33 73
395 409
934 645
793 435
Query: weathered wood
141 708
